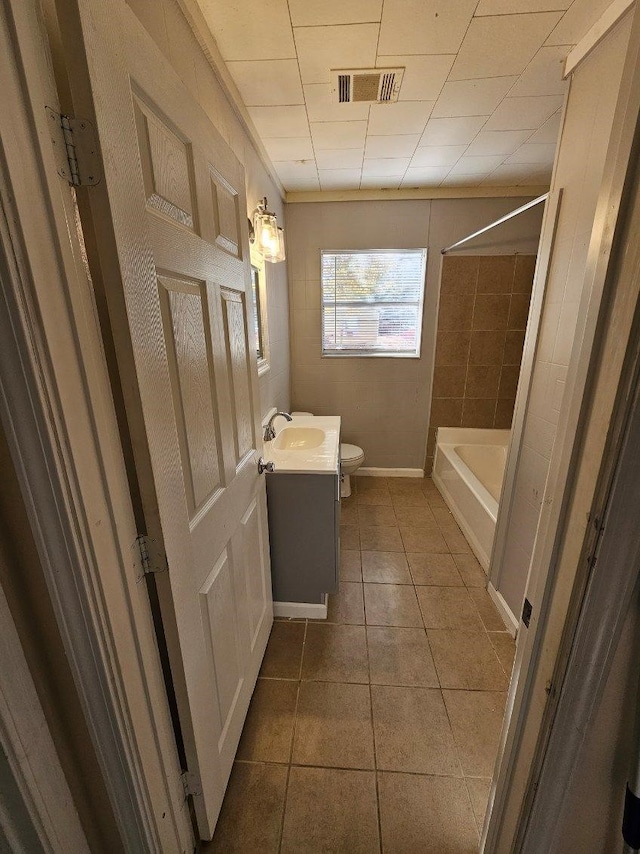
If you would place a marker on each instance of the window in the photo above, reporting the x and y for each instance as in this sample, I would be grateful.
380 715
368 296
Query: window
259 300
255 291
372 302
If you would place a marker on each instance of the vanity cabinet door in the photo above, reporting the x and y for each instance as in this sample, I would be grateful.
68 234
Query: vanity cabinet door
304 526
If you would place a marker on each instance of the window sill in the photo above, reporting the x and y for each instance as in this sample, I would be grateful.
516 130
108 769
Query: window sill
350 355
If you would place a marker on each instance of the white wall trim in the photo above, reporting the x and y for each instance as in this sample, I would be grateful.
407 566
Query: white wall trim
301 610
505 612
541 275
373 471
596 34
302 197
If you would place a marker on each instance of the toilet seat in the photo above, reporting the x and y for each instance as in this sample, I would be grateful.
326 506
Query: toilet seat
350 453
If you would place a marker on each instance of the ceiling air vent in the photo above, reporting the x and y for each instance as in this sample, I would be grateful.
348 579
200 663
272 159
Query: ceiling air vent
367 85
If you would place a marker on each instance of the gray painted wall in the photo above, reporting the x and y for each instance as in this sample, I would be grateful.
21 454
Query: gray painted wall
384 402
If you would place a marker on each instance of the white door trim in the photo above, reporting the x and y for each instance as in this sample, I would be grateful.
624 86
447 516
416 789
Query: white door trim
36 802
605 587
58 415
547 239
539 646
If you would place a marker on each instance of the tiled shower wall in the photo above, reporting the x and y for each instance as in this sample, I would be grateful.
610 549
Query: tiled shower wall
482 317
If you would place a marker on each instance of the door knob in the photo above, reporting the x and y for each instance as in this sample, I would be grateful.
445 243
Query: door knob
263 467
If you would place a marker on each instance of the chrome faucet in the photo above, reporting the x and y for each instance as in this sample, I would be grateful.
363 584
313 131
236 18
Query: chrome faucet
269 432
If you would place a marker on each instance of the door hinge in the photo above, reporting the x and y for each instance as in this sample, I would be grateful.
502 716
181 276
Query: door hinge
190 783
152 559
75 149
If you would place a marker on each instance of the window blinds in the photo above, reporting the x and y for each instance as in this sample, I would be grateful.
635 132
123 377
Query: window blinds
372 302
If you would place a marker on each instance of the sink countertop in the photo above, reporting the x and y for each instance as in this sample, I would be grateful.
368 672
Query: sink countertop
321 460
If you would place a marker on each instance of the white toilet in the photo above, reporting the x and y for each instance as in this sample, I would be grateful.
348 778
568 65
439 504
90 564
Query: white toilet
351 458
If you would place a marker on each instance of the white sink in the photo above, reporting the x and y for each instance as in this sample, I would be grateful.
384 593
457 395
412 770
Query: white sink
299 438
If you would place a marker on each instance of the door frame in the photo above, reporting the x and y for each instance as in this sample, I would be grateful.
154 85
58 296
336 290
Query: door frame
607 577
58 412
37 806
532 694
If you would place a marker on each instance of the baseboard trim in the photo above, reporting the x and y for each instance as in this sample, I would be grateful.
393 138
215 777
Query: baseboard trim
371 471
301 610
505 611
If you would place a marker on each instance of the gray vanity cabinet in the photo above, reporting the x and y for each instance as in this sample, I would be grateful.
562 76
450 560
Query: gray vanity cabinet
304 533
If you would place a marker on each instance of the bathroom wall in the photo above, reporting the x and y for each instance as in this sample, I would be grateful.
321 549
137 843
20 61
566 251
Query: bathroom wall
578 171
164 21
484 304
384 402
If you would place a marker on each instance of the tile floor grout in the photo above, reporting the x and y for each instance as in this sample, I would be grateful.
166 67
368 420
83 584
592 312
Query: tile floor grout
307 677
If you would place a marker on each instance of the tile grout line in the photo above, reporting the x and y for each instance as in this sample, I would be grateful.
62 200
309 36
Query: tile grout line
366 770
456 748
293 737
373 733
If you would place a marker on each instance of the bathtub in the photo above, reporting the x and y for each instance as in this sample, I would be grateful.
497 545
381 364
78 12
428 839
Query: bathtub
468 469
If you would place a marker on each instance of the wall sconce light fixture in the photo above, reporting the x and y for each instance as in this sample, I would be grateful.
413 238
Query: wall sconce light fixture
266 235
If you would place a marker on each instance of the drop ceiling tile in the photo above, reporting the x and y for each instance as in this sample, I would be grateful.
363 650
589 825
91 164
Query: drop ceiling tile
379 183
515 175
502 142
280 121
542 176
543 75
577 21
524 113
549 132
391 146
506 176
424 176
461 180
471 97
379 167
502 45
298 174
423 26
301 185
438 155
477 165
263 34
306 14
268 82
340 158
322 107
322 48
534 153
424 76
289 148
339 179
514 7
401 117
453 131
330 135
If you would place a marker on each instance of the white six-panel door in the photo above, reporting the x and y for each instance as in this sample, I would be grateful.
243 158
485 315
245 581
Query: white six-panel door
172 208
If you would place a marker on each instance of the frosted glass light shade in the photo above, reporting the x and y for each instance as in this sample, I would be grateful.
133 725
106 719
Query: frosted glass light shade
266 229
281 250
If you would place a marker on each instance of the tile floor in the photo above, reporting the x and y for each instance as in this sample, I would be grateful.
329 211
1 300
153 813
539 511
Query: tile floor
377 730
